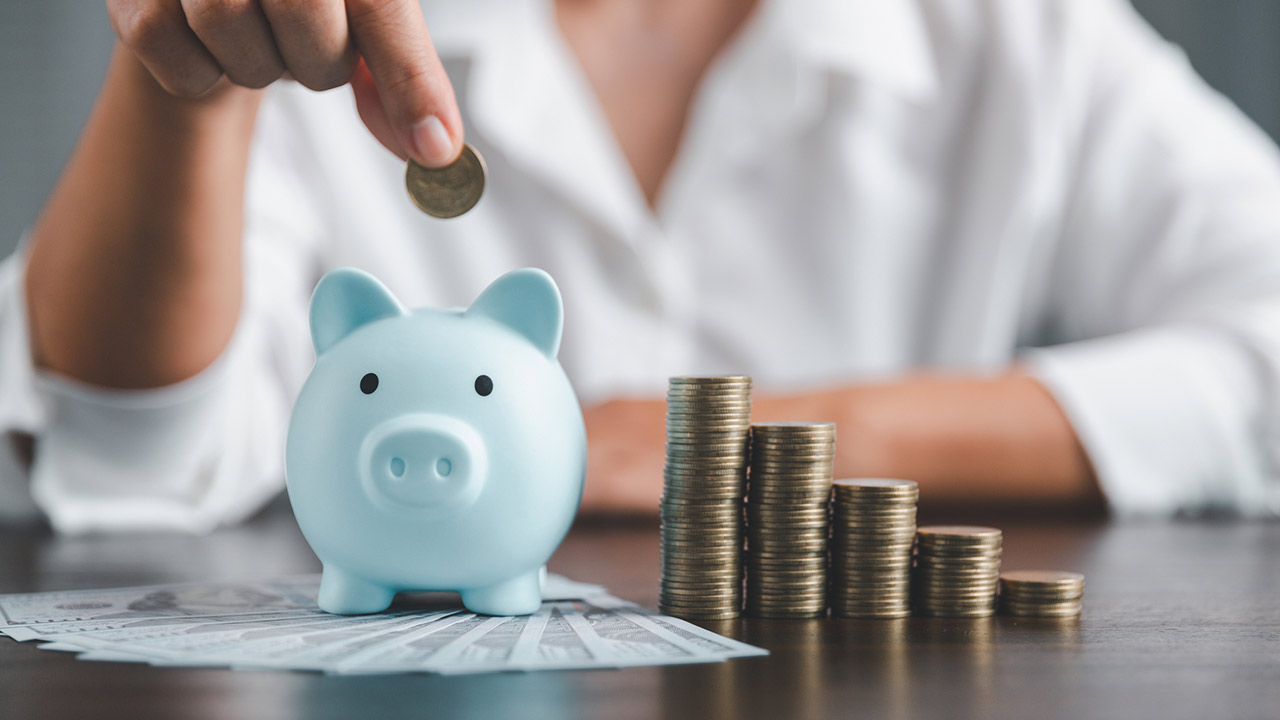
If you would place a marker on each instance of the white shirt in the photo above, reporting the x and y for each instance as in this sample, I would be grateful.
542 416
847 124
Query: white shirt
864 188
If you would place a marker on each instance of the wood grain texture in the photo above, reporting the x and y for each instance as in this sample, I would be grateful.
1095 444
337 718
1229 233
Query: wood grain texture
1182 620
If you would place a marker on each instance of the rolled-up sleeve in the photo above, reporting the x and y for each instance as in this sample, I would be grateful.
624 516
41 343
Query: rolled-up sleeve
1166 283
1163 415
204 452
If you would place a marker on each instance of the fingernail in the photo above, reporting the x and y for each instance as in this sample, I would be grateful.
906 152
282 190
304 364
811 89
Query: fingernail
432 142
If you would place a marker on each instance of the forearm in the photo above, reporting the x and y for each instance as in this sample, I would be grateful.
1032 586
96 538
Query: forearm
965 440
134 275
1001 440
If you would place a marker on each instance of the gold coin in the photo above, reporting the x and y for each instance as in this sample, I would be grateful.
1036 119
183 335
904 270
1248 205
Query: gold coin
959 533
1042 578
448 191
893 615
797 427
877 485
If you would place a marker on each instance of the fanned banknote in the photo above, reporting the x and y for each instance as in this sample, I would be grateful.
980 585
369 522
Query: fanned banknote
276 624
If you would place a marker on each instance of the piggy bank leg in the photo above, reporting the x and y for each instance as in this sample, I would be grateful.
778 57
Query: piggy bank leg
520 595
342 593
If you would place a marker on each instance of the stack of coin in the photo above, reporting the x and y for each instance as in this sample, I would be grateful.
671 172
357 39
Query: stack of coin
956 569
873 525
708 423
787 519
1041 593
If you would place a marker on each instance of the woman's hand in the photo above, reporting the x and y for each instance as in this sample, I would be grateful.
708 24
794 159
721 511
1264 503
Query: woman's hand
380 47
966 440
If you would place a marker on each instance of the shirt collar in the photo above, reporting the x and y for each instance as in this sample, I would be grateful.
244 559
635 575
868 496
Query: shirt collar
528 100
882 42
885 43
524 95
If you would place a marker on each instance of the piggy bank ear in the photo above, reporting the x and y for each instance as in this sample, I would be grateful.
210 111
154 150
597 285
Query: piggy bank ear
528 302
345 299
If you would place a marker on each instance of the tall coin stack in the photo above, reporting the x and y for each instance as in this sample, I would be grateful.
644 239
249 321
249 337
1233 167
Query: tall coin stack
787 519
956 570
872 530
708 421
1041 593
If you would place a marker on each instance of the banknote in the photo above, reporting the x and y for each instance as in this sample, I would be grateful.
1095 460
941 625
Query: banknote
575 634
33 610
275 624
31 616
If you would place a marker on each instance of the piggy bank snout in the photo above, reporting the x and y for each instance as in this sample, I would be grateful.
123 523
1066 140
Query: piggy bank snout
422 461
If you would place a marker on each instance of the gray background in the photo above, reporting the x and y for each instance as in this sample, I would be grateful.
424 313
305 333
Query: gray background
53 54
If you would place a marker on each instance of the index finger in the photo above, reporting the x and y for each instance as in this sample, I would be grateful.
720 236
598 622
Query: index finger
416 93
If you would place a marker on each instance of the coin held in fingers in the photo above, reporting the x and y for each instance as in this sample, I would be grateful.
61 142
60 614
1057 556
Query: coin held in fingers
448 191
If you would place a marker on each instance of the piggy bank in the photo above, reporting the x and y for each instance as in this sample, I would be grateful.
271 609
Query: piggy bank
435 449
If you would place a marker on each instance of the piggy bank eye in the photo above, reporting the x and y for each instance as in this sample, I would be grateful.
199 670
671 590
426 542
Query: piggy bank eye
484 385
368 384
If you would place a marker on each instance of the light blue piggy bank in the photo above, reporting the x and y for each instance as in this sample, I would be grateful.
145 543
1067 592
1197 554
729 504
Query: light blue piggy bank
435 449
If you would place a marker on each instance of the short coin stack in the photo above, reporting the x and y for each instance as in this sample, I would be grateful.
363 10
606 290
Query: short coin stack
956 570
708 421
1041 593
872 529
788 519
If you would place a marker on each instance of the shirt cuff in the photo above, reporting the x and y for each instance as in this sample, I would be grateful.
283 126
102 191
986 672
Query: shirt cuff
129 459
21 408
1164 416
106 460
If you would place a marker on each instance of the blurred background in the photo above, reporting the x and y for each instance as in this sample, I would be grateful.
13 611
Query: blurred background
53 54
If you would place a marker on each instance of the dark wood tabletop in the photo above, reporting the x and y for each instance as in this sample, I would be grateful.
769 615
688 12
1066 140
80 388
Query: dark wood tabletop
1181 620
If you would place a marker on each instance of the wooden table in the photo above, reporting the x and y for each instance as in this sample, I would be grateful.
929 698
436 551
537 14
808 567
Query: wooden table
1182 620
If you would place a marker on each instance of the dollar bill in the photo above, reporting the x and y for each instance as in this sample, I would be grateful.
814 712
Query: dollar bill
275 624
32 616
36 611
